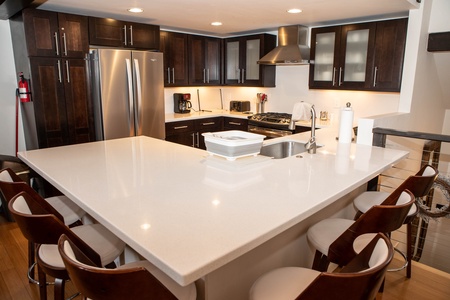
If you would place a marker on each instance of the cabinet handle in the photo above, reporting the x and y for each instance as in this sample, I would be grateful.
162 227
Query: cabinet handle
375 77
125 34
204 75
340 76
198 139
180 127
55 35
234 123
67 71
131 35
59 71
239 75
334 76
208 123
243 76
168 75
207 75
173 75
64 43
193 139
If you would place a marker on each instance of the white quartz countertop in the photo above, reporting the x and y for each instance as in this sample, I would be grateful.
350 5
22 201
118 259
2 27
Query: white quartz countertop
190 213
173 117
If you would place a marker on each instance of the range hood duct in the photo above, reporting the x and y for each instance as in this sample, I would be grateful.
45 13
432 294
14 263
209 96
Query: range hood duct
292 47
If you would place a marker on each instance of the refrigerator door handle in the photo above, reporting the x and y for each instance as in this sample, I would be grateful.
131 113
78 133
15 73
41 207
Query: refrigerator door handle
138 111
130 97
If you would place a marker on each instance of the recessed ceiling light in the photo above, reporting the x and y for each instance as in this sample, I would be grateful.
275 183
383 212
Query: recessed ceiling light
294 11
216 23
135 10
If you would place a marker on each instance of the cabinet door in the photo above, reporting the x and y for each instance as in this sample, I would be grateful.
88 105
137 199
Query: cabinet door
49 101
389 54
41 32
106 32
356 56
73 35
233 68
80 118
142 36
205 60
325 45
181 133
174 47
235 124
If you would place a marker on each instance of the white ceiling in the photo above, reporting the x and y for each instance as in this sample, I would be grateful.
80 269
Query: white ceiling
237 16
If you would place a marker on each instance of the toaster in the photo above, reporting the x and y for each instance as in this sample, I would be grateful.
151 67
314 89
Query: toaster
239 106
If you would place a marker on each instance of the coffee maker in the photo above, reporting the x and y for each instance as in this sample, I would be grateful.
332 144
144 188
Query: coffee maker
181 103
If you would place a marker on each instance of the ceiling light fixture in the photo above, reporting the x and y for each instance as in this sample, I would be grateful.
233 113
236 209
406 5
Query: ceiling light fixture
135 10
294 11
216 23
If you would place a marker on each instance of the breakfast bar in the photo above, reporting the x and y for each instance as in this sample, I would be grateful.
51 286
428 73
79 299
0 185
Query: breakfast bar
205 219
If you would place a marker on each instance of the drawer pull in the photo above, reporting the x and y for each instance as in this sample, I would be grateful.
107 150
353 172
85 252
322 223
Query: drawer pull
234 123
180 127
209 123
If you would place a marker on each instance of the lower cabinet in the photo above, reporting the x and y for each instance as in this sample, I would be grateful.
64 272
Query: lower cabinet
189 132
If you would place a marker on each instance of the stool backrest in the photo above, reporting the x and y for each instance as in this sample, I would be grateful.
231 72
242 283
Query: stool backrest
100 283
361 278
379 218
41 227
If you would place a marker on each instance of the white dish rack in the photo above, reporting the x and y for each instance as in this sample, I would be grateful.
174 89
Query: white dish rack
233 144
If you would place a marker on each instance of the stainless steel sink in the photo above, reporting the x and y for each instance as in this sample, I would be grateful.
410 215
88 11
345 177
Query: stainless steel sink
283 149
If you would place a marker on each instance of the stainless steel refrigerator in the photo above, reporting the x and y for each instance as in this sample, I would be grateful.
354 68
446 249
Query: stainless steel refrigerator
128 93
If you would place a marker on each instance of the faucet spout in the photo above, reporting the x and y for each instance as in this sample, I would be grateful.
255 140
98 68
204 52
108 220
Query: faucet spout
311 146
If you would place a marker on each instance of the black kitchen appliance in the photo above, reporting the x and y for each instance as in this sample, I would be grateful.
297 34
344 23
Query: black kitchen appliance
239 106
182 103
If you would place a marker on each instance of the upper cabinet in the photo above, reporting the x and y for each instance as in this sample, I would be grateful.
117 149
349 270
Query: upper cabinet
55 34
205 60
115 33
367 56
174 46
241 57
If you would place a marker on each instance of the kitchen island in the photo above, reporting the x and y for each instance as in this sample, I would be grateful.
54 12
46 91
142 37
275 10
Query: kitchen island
203 219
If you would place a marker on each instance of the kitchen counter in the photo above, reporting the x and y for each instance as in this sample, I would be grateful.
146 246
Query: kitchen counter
173 117
199 217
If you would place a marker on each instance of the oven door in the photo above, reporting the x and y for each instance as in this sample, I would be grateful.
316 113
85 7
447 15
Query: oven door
270 133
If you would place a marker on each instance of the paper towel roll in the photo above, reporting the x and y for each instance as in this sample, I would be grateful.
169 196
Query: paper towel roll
346 125
301 111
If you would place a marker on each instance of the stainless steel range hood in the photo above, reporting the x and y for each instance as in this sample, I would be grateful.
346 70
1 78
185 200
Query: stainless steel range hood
292 47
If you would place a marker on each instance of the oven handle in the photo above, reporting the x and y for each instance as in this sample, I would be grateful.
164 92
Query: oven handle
269 133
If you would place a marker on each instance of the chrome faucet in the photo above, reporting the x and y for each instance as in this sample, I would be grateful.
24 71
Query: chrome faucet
311 144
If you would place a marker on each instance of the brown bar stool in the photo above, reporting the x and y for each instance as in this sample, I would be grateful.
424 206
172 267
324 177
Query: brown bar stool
420 185
136 280
361 278
43 228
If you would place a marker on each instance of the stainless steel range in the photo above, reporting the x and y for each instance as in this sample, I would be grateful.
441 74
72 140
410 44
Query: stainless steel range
270 124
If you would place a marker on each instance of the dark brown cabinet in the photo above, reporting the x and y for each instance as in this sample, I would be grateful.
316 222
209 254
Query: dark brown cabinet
115 33
174 46
189 132
241 57
61 102
55 34
54 61
366 56
205 60
235 124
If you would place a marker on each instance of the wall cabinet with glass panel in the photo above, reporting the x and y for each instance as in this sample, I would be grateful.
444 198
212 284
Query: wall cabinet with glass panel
241 57
366 56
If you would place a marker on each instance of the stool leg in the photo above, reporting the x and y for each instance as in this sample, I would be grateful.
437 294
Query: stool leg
408 249
59 288
42 284
31 258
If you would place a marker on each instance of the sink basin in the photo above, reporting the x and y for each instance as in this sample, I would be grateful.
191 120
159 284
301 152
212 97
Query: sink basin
283 149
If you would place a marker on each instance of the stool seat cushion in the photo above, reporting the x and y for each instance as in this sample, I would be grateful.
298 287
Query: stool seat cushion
282 283
368 199
67 208
322 234
188 292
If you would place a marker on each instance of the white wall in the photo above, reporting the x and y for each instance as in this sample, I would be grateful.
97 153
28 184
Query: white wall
8 85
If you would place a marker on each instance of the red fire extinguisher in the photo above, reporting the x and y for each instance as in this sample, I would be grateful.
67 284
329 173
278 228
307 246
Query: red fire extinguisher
23 90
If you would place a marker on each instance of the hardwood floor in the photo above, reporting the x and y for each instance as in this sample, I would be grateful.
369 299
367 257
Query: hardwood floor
426 282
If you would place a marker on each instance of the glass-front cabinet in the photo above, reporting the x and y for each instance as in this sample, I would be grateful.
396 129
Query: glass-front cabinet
241 57
366 56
